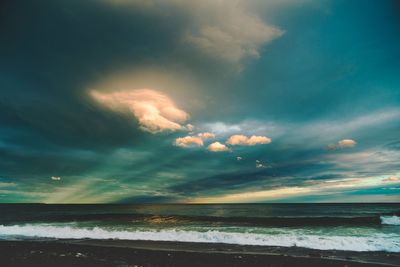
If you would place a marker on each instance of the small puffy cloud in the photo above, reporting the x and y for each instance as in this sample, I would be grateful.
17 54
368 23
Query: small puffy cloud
345 143
217 147
259 164
155 111
206 135
391 179
55 178
243 140
189 141
189 127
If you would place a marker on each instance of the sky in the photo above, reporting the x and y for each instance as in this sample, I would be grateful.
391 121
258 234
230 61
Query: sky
135 101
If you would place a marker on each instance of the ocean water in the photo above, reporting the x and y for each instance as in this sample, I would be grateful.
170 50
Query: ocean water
352 227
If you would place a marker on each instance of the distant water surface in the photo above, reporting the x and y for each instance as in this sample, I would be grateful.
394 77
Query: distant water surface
353 227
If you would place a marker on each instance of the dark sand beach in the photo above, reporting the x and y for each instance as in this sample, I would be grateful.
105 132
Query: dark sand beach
150 253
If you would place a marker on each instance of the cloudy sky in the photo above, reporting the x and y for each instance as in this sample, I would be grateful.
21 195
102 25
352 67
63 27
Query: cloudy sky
130 101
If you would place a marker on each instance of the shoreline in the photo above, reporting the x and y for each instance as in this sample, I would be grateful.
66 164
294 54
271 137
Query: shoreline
90 252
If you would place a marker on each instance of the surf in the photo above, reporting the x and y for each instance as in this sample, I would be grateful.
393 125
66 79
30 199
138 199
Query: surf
375 242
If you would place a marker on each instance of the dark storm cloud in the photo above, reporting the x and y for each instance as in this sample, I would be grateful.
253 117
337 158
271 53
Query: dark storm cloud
52 49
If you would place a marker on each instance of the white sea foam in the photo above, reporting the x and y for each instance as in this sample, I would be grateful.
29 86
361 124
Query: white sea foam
376 242
392 220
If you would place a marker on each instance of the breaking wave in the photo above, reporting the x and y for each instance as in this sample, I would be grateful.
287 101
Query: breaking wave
376 242
391 220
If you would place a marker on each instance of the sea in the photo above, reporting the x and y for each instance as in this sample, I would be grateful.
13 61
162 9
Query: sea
350 227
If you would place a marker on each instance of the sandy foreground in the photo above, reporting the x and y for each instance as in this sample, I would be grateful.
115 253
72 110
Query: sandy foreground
149 253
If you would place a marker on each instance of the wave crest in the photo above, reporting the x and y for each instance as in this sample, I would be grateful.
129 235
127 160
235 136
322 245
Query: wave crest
378 242
391 220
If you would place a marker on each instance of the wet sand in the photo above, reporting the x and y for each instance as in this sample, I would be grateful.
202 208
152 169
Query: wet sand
149 253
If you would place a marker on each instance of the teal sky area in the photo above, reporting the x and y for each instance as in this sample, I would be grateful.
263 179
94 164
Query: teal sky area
134 101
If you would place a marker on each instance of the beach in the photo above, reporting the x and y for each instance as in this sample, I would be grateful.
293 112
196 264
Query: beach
150 253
